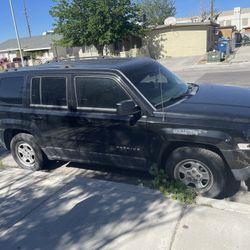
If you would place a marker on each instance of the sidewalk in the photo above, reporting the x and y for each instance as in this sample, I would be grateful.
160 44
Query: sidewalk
242 54
47 211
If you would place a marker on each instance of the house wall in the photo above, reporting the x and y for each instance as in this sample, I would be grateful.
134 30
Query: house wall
8 55
179 41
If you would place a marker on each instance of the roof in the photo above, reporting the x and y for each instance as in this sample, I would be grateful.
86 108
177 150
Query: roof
187 24
30 43
90 64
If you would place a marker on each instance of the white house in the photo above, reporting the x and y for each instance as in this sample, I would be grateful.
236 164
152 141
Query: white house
37 47
238 17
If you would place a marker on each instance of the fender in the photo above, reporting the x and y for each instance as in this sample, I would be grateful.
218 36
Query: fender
18 124
170 138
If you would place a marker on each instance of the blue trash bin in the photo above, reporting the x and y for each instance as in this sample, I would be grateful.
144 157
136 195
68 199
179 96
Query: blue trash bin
223 46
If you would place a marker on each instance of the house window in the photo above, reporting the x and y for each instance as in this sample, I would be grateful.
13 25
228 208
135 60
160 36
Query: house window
49 91
11 90
228 22
245 22
221 23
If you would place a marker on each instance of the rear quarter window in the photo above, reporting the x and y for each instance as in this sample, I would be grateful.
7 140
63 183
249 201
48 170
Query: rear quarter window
49 91
11 90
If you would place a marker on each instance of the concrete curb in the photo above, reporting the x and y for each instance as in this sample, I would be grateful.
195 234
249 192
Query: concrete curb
224 205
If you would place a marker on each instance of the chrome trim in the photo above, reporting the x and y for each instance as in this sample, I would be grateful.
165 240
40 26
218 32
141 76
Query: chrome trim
48 106
97 109
244 146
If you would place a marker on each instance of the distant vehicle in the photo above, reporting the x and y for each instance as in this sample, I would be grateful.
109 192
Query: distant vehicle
238 38
16 60
129 113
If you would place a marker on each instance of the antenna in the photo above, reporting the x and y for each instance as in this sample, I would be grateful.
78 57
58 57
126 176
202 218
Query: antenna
26 17
170 21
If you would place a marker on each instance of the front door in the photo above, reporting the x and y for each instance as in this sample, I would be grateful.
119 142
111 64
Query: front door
102 135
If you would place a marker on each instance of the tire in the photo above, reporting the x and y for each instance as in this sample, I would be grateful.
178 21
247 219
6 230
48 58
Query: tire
200 168
26 152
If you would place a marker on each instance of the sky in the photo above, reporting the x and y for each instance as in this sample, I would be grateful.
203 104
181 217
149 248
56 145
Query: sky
40 20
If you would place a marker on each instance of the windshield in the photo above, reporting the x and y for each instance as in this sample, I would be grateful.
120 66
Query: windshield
157 83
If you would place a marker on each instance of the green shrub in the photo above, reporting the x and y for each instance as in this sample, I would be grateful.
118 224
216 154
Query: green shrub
173 189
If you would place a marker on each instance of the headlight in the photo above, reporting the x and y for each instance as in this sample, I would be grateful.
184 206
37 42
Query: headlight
244 146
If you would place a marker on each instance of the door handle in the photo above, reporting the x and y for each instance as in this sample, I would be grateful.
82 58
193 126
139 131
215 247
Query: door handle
37 117
83 120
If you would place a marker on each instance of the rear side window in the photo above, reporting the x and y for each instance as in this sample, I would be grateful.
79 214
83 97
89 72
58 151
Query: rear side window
11 90
49 91
94 92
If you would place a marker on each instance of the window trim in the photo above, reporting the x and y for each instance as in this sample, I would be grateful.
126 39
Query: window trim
113 110
40 93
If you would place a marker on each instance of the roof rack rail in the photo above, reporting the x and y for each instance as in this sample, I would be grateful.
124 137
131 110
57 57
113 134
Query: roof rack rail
11 69
78 59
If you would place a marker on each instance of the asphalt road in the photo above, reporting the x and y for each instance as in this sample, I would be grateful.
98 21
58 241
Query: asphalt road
240 78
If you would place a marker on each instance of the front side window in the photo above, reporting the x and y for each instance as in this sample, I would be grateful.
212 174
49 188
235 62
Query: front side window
49 91
11 90
94 92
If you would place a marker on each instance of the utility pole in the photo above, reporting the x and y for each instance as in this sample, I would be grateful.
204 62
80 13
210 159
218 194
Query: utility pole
16 30
26 17
212 9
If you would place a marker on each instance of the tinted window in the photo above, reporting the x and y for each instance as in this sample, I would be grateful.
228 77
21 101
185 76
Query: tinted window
49 91
98 92
35 91
11 89
54 91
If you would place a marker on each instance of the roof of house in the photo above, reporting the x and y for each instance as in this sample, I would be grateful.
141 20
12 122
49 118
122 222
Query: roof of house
34 43
187 24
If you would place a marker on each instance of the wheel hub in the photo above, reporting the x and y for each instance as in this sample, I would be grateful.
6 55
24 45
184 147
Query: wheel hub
194 174
26 154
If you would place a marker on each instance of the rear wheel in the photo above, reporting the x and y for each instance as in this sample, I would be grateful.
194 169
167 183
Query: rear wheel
198 168
26 152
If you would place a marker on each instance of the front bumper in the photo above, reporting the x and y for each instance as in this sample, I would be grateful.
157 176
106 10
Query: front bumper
239 163
241 174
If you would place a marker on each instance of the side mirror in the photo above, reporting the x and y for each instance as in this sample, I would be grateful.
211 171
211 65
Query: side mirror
127 107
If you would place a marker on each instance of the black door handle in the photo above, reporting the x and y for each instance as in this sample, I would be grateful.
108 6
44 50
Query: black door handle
37 117
83 120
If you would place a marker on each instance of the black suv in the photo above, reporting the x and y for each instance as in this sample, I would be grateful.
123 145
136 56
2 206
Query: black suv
129 113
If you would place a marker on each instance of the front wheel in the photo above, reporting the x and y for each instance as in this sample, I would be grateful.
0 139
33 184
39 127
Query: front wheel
26 152
199 168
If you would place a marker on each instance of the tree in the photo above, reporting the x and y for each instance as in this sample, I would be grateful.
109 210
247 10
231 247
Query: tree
156 11
95 22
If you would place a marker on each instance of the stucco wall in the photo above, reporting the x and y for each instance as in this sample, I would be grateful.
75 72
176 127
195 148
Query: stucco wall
178 42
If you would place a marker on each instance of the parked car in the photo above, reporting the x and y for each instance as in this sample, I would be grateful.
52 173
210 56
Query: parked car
129 113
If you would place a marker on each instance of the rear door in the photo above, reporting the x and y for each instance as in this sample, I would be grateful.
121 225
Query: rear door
50 115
